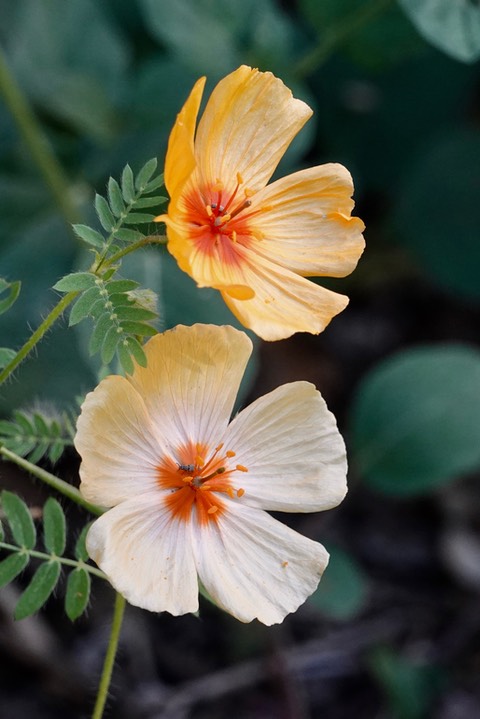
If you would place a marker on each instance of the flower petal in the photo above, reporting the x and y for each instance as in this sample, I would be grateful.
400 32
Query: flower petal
191 381
146 555
308 228
117 442
295 455
284 302
250 119
180 159
255 567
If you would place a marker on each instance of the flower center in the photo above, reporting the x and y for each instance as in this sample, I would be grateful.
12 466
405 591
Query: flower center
196 481
222 209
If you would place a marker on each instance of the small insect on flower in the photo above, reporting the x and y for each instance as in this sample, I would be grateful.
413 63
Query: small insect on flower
258 243
188 489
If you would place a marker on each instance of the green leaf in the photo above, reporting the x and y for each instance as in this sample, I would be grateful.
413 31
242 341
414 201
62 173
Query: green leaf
11 567
38 591
6 356
136 313
102 325
38 451
77 594
109 346
125 235
136 350
453 27
2 533
83 305
138 328
138 218
76 281
155 184
121 286
145 174
125 358
343 591
54 527
115 197
19 519
13 292
128 185
80 549
104 213
89 235
415 421
150 201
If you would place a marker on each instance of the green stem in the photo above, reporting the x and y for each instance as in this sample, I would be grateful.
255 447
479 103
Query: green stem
36 142
150 240
337 34
50 557
37 335
109 657
55 482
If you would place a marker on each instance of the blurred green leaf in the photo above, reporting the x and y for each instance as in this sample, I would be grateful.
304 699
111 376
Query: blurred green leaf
13 292
83 306
415 421
80 548
343 590
115 197
128 184
410 687
6 356
11 567
77 594
145 174
104 213
38 591
75 281
453 27
54 527
89 235
19 519
437 212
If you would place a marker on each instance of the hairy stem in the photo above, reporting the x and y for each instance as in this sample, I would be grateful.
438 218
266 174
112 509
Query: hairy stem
109 657
337 34
37 335
55 482
36 142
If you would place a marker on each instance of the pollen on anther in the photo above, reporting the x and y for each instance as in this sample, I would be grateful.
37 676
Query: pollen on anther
209 210
219 447
241 468
212 510
199 461
240 492
229 453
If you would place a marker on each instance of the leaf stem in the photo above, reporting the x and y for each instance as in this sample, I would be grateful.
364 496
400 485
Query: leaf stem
150 240
37 335
55 482
53 558
36 142
107 670
337 34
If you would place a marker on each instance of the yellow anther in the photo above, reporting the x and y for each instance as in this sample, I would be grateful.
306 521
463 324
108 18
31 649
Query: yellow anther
199 461
209 210
239 179
234 236
218 186
240 492
229 453
212 510
219 447
187 480
222 220
230 492
284 564
241 468
248 192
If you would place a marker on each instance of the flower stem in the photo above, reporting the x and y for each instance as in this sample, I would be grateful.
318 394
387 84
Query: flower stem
109 657
337 34
36 142
55 482
37 335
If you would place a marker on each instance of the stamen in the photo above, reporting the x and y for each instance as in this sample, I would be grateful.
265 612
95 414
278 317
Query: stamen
219 447
212 509
209 209
221 220
239 209
229 453
241 468
240 492
199 461
234 236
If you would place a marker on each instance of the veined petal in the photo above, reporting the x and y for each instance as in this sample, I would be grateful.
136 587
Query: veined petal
294 452
254 567
118 444
308 227
180 158
250 119
146 555
191 381
284 302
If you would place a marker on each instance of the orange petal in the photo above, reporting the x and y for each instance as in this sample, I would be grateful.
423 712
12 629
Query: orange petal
250 119
308 228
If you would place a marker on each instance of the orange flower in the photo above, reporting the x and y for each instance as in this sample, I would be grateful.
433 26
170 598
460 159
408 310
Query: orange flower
257 243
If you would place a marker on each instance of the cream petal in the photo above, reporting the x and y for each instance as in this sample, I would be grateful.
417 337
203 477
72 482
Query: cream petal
191 381
308 227
295 455
180 160
250 119
284 302
146 555
254 567
118 444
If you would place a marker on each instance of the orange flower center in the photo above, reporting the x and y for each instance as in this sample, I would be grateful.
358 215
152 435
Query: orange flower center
197 479
219 222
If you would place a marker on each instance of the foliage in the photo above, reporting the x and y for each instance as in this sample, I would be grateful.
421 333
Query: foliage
36 435
46 576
